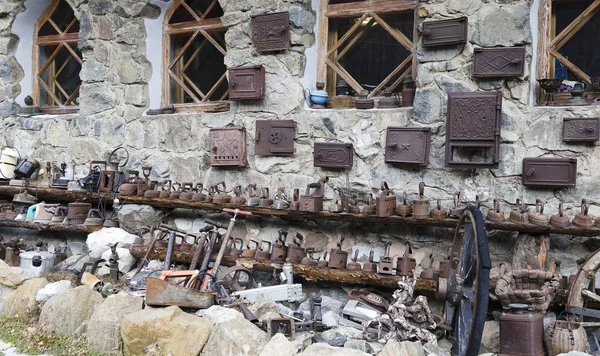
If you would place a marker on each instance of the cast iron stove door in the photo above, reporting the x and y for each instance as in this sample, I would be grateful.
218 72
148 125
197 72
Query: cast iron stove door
271 32
333 155
499 62
274 137
552 172
473 125
228 147
407 145
246 83
445 32
581 130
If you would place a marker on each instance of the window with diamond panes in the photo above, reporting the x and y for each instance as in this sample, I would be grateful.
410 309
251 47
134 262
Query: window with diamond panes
571 51
369 44
194 68
57 60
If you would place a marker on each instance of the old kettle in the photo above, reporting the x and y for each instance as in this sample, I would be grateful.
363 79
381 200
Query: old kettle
186 192
439 213
337 257
404 209
353 265
295 250
582 219
495 215
519 214
263 253
253 200
560 220
406 264
370 266
221 196
537 217
456 211
278 250
238 199
421 204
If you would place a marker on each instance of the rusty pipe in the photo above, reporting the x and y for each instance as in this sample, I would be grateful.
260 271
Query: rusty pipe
170 247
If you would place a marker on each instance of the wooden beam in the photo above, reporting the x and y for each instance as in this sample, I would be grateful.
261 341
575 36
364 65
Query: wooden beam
397 34
379 6
322 43
559 41
347 35
570 66
47 227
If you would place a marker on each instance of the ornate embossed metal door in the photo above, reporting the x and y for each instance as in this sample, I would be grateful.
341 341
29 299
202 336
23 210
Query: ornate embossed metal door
473 130
271 32
499 62
407 145
581 130
228 147
333 155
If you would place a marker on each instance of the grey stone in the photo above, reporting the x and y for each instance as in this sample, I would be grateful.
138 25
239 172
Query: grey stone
429 105
393 348
131 72
279 345
431 349
95 98
98 241
218 314
502 26
126 261
100 7
92 71
51 290
106 320
235 337
321 349
302 18
133 217
63 317
360 345
13 276
136 95
366 140
4 293
164 331
31 123
21 304
575 353
490 341
334 338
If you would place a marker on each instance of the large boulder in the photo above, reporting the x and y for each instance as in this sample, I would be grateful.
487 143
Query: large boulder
68 312
235 337
133 217
126 261
393 348
106 320
279 345
322 349
4 293
490 340
98 241
218 314
51 290
164 331
13 276
21 303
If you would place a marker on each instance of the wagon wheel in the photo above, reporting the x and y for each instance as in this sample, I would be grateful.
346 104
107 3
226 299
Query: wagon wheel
119 156
466 289
236 278
582 289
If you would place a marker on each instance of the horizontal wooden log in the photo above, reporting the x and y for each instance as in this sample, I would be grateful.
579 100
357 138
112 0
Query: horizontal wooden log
50 195
48 227
320 274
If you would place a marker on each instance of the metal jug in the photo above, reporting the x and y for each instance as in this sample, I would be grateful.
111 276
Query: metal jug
538 217
439 213
519 214
582 219
404 209
456 211
421 204
370 266
560 220
353 265
337 257
495 215
263 253
278 250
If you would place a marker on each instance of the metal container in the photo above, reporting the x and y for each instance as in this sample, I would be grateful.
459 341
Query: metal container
26 168
8 162
495 215
421 204
77 212
337 257
439 213
405 265
386 202
39 263
363 101
370 266
499 62
537 217
271 32
579 130
333 155
445 32
386 263
246 83
550 172
279 250
407 145
560 220
519 214
582 219
263 253
521 334
404 209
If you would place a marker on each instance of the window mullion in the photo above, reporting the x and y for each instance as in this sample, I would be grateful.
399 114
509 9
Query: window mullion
391 75
399 36
183 49
182 84
347 34
559 41
570 66
362 32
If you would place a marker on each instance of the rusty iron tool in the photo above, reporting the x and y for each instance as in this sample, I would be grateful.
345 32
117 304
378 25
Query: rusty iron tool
278 250
421 204
250 252
338 257
386 263
456 211
582 219
227 234
295 250
495 215
560 220
200 245
113 262
519 214
93 267
353 265
406 264
263 253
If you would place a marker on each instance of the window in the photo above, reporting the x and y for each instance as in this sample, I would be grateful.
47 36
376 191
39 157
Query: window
571 50
194 74
56 60
367 43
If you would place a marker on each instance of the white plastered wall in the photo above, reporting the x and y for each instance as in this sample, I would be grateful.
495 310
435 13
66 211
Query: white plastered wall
154 52
534 22
310 72
23 27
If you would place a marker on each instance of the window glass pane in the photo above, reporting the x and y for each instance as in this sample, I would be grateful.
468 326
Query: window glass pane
61 75
199 70
375 54
583 49
182 14
63 15
567 11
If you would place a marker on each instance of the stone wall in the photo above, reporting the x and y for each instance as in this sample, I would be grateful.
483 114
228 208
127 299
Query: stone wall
114 95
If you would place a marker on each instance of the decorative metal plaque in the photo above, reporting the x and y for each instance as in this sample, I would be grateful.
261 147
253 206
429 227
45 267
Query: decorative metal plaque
228 147
445 32
550 172
407 145
274 137
473 122
333 155
499 62
581 129
271 32
246 83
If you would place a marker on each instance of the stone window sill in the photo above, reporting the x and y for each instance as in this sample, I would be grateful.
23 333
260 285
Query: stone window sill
408 108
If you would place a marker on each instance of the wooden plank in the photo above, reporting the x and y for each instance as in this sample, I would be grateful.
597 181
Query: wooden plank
561 40
341 71
391 75
379 6
542 66
397 34
47 227
211 25
53 40
347 35
164 293
351 43
570 66
322 43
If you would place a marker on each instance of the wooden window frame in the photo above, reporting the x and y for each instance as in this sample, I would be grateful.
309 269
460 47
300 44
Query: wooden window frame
550 43
194 28
62 39
327 69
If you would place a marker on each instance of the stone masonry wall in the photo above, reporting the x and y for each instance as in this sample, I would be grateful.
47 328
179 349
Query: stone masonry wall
114 95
